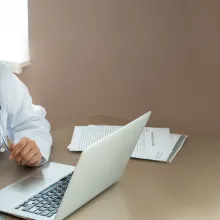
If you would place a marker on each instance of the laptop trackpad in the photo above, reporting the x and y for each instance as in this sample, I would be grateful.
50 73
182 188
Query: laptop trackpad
23 190
30 184
53 171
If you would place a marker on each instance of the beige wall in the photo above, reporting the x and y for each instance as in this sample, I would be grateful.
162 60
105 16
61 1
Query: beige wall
123 58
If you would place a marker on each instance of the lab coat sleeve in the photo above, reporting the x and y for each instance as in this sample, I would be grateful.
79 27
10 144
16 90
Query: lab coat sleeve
26 119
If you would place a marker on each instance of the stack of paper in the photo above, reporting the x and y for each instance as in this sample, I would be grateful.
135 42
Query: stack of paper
154 144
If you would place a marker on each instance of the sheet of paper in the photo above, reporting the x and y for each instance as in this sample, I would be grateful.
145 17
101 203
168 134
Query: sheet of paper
154 143
84 136
159 144
177 141
140 148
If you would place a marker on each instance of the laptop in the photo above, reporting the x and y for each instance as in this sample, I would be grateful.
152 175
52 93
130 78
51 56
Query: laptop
54 191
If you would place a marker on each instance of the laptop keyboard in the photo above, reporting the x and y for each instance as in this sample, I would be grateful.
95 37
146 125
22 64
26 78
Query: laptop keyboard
47 202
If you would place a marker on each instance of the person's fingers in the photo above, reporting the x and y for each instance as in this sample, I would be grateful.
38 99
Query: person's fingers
23 153
26 152
28 156
11 147
34 164
35 160
18 147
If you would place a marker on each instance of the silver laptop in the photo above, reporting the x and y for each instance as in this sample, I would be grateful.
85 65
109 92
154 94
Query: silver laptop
54 190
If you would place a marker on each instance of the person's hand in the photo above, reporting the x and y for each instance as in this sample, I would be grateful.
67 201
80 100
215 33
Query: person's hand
26 152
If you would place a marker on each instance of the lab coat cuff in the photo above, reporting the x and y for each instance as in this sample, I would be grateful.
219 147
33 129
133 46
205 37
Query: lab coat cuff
43 161
45 151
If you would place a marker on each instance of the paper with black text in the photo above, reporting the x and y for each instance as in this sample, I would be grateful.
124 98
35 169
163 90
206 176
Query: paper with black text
84 136
154 143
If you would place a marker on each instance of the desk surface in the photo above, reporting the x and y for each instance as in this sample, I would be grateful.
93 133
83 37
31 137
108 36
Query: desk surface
186 189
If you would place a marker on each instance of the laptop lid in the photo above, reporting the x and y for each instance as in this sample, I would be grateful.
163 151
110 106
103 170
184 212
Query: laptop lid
101 165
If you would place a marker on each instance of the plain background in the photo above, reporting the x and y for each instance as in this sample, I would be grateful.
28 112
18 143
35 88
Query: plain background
123 58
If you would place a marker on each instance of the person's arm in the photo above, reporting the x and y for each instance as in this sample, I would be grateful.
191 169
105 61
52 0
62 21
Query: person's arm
26 121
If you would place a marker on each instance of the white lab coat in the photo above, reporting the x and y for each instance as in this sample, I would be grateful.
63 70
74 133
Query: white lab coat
20 117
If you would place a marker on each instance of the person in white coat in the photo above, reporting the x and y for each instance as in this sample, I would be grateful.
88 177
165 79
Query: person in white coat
23 122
